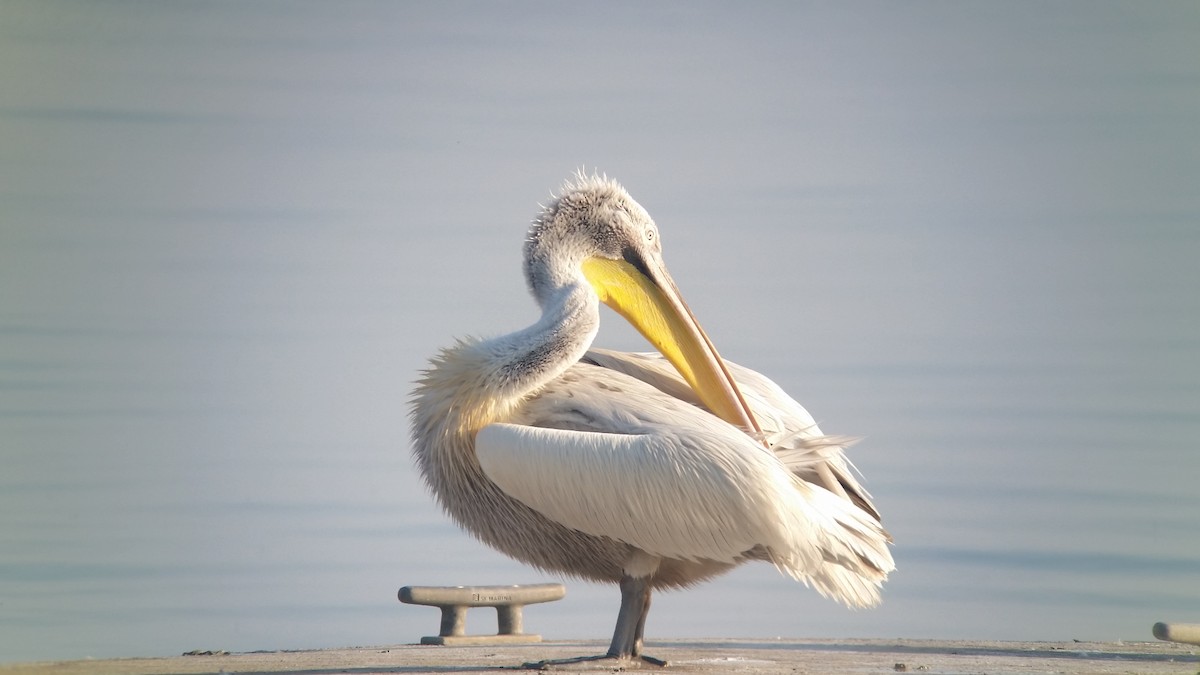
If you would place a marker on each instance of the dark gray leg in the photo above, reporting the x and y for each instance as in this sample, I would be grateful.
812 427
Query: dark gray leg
631 620
626 647
641 628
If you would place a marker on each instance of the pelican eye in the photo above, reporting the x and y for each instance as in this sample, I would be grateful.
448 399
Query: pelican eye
652 239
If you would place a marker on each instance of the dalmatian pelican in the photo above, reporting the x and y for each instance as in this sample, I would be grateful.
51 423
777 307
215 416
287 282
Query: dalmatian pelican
649 471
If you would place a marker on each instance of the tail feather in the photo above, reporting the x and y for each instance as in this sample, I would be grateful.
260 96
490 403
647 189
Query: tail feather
855 558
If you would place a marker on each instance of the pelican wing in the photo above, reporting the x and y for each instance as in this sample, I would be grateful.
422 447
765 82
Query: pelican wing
671 495
608 455
790 430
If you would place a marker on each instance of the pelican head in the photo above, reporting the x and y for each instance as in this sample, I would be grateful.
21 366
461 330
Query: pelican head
592 217
593 229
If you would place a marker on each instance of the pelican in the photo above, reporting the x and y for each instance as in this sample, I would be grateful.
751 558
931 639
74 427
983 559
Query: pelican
649 471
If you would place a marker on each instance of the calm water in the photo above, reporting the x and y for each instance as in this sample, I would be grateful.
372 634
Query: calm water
231 233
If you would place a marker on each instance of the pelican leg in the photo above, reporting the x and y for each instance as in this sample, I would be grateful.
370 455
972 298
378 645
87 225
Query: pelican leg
626 647
631 620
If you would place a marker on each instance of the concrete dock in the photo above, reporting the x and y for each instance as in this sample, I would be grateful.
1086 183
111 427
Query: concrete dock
685 657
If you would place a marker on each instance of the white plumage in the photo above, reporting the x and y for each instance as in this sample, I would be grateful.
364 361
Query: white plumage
647 471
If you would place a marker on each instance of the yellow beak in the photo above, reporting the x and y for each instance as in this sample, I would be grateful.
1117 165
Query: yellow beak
649 300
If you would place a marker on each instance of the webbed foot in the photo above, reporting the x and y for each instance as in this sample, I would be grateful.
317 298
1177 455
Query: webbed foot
607 661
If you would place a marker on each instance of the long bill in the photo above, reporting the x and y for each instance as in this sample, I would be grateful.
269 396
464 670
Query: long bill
650 301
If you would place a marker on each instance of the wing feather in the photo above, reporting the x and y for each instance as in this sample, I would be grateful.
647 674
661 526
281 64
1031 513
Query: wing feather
677 496
790 429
